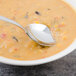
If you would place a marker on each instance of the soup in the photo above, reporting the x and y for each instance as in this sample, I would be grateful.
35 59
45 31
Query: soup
56 14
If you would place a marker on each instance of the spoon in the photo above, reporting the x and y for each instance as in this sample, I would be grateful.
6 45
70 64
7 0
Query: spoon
40 33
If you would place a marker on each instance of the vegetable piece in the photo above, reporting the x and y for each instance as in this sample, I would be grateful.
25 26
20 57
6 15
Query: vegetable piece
56 26
3 45
13 18
11 50
36 22
3 35
58 45
41 51
16 56
26 16
48 9
58 29
15 38
36 12
15 12
62 17
15 49
49 25
62 24
64 38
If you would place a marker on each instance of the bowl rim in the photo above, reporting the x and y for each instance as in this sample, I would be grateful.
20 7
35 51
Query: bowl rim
57 56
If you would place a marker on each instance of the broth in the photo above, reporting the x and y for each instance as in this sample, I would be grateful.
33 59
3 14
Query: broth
56 14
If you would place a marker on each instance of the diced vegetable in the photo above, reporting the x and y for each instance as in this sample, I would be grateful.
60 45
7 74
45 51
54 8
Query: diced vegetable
38 13
37 22
15 38
64 38
3 35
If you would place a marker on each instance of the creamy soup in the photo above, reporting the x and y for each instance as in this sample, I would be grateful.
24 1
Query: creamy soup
56 14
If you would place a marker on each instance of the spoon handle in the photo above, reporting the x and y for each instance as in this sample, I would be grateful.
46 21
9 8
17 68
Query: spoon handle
11 21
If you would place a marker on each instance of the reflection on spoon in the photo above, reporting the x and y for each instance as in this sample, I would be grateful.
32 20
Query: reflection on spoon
38 32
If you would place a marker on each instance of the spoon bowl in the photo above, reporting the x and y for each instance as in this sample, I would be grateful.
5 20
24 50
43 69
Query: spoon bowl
41 33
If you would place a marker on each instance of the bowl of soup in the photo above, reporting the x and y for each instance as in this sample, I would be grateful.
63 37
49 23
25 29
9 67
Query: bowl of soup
17 48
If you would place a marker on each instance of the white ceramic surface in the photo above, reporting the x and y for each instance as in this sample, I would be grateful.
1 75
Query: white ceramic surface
48 59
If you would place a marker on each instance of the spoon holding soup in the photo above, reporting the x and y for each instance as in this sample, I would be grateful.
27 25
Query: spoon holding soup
40 33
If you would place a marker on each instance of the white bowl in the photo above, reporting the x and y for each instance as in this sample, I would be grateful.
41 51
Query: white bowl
48 59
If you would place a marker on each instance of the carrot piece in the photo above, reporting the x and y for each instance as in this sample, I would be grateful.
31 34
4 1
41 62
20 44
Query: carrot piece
62 25
64 38
3 35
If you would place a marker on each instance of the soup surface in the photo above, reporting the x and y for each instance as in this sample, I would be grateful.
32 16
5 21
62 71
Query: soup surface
56 14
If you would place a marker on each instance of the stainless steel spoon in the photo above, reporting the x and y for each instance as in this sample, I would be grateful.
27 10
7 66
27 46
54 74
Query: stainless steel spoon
38 32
